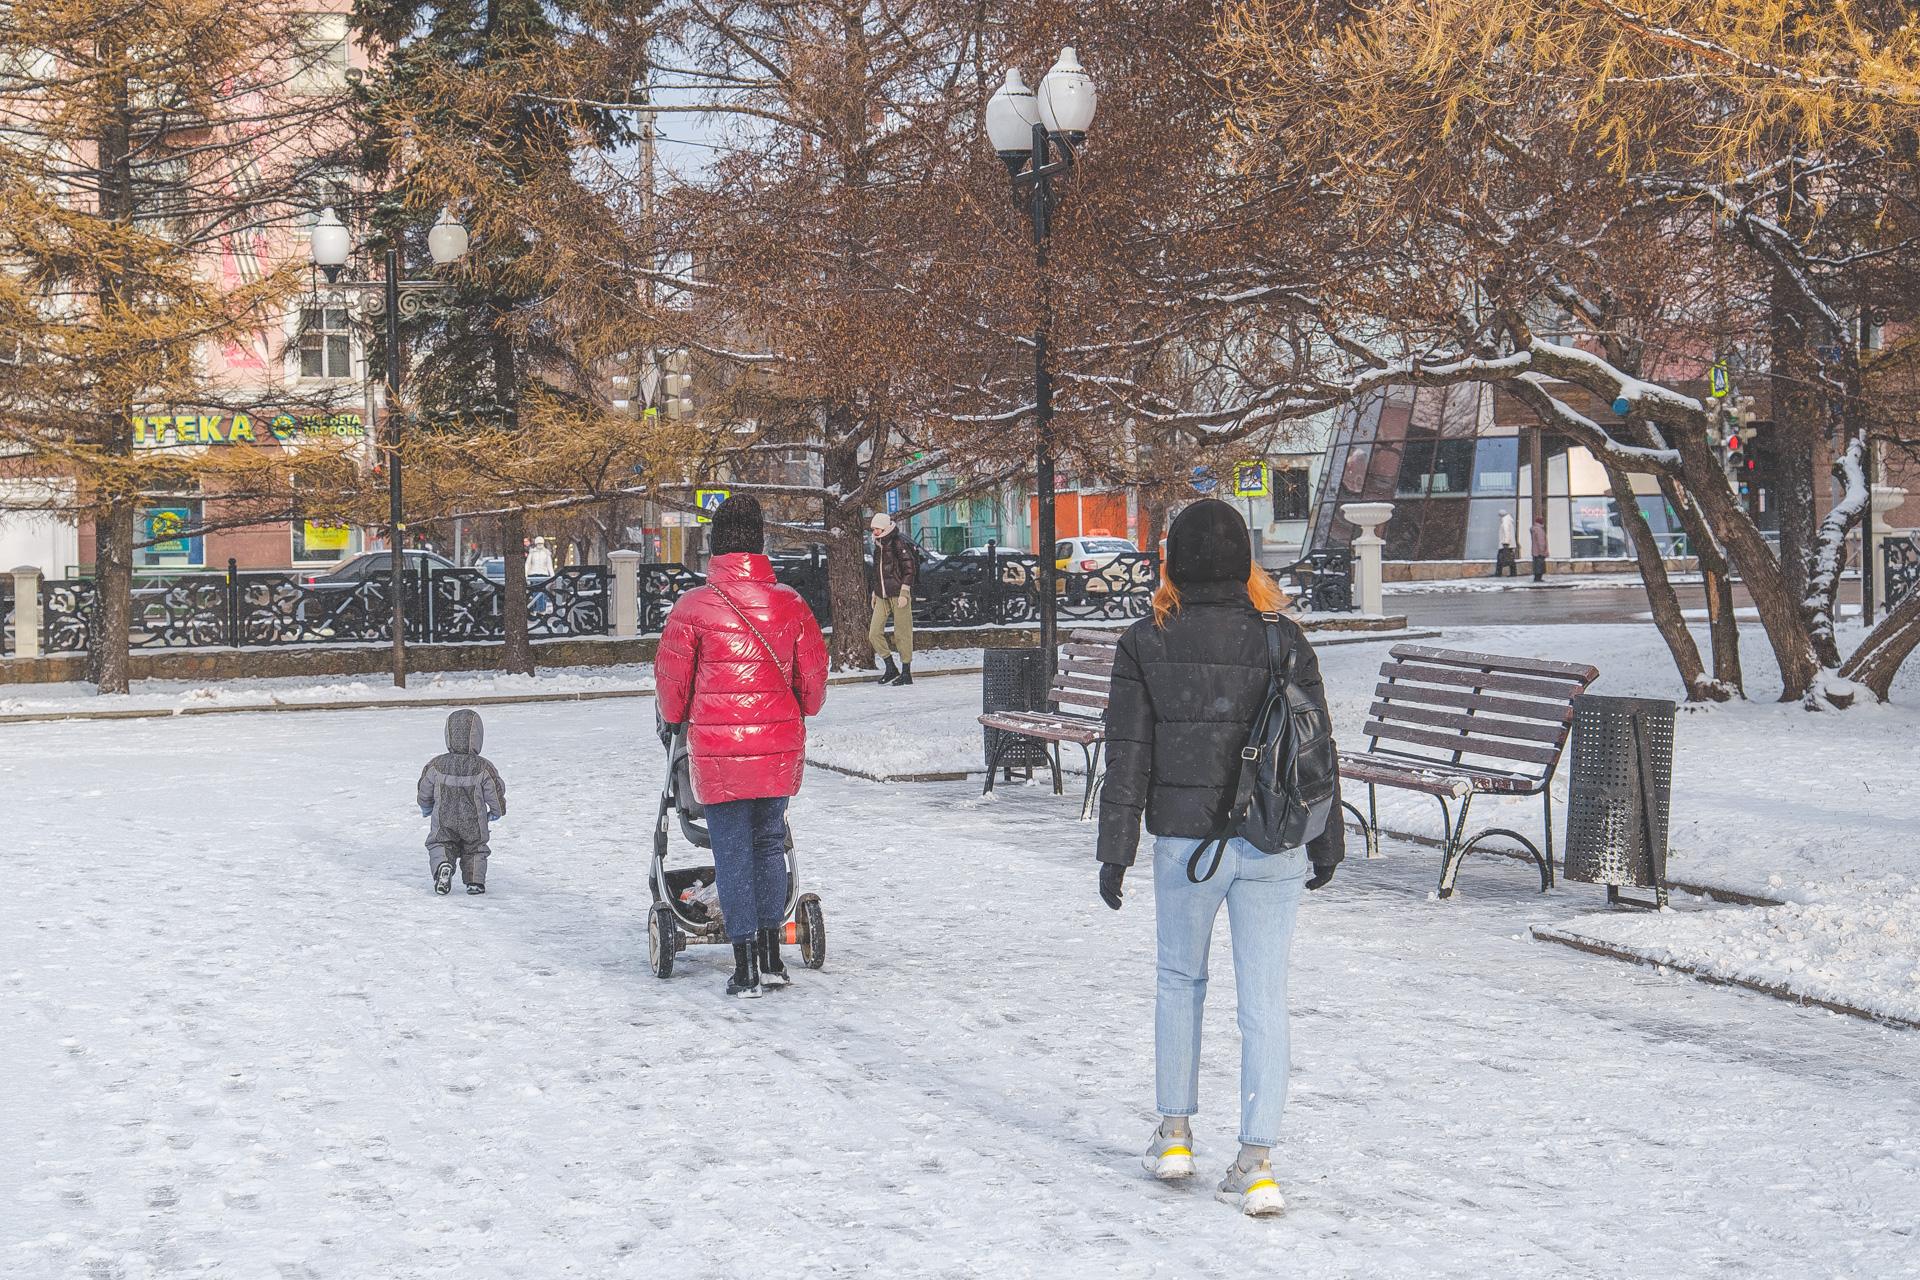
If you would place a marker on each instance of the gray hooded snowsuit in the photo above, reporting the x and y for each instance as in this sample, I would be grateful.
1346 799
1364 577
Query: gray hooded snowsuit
461 791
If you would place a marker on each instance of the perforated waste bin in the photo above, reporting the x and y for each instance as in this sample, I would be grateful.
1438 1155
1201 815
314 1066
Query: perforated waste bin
1619 790
1013 680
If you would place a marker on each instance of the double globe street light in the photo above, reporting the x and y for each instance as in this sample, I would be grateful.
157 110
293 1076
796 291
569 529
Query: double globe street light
395 298
1036 136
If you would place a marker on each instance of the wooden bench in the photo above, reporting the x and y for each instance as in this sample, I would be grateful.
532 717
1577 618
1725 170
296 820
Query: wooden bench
1456 725
1078 697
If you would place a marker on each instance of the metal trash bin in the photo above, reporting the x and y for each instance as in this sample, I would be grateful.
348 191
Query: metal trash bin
1013 680
1618 794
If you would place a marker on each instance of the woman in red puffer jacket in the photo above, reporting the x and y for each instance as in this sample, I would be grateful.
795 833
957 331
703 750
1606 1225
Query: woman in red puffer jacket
742 664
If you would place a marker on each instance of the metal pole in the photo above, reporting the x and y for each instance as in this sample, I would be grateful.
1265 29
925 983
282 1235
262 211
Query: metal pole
1043 407
396 524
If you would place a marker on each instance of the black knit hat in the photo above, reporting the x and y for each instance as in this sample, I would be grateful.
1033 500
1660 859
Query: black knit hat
1208 543
737 526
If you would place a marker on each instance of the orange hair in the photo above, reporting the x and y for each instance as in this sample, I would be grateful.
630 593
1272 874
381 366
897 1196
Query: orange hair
1265 593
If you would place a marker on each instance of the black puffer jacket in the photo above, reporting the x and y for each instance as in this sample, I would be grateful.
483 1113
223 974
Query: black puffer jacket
1183 702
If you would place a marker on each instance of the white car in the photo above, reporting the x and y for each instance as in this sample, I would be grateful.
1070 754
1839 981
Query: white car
1090 555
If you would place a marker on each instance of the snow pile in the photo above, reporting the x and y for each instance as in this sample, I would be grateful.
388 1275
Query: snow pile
1861 950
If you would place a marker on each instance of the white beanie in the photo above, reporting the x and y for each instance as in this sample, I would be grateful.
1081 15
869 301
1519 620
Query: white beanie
882 524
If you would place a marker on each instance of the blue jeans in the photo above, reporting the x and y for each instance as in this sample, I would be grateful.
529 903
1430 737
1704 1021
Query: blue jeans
1262 893
750 863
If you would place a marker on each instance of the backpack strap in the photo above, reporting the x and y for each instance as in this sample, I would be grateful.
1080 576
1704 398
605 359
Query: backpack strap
1279 672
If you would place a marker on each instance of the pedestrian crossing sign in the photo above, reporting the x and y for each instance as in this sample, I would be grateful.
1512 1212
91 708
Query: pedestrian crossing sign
709 500
1250 480
1717 380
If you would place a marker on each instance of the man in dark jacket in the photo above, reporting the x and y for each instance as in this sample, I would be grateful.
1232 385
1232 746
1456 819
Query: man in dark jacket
1187 686
890 578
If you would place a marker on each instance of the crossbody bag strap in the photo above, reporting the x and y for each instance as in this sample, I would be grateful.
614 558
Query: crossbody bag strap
786 680
1245 776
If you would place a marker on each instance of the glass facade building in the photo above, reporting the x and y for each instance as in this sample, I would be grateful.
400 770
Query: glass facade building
1453 459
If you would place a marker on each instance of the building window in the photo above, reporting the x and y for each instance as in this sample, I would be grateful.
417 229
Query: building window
1291 493
319 53
315 543
1496 465
326 343
165 528
160 196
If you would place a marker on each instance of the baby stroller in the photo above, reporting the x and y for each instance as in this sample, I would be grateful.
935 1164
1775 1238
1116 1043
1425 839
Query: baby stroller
680 915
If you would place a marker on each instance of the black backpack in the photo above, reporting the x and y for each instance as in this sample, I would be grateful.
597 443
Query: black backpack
1284 795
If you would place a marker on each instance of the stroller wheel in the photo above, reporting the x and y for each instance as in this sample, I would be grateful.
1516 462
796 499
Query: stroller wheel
663 940
813 930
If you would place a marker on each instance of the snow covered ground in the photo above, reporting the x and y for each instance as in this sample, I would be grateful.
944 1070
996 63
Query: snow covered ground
243 1038
191 695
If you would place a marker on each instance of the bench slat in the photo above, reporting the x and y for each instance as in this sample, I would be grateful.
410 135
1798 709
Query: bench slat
1556 712
1086 666
1098 651
1435 779
1498 662
1470 746
1081 698
1558 690
1473 726
1060 728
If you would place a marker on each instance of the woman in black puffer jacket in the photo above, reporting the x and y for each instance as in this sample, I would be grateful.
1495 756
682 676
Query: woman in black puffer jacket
1187 685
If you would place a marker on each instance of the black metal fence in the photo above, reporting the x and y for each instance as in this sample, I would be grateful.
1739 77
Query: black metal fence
1901 556
250 609
255 609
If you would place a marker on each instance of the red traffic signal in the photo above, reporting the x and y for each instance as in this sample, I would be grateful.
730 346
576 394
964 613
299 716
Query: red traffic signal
1733 444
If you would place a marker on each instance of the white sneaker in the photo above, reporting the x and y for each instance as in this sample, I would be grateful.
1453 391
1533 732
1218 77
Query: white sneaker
1169 1159
1253 1190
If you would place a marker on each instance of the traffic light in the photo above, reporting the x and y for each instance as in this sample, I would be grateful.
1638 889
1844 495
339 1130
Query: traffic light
1736 456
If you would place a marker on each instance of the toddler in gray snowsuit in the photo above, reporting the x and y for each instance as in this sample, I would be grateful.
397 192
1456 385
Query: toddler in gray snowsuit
461 791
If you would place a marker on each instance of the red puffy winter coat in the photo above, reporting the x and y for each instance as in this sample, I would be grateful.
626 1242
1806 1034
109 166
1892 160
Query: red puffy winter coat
747 733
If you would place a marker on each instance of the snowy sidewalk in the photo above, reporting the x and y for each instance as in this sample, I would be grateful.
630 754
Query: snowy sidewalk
244 1039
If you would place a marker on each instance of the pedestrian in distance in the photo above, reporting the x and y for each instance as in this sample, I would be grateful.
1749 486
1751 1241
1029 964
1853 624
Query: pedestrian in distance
1539 548
742 664
1189 684
463 794
539 560
1506 559
894 569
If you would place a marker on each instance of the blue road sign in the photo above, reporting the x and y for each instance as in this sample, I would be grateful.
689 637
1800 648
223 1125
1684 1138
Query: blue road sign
893 502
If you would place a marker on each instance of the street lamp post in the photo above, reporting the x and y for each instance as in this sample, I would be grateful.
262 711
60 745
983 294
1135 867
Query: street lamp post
1036 136
394 298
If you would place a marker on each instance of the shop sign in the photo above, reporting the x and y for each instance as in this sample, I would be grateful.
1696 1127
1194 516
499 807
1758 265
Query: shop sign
159 429
166 530
325 537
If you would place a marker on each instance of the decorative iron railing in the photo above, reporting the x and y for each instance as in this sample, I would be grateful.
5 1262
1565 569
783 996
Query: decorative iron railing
235 609
1900 553
1323 581
253 609
7 644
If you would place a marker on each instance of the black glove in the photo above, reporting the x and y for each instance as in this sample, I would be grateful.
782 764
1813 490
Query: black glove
1321 875
1111 874
666 732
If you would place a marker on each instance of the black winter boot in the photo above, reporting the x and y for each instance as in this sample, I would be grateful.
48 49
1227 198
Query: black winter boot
745 981
443 877
891 674
773 970
906 674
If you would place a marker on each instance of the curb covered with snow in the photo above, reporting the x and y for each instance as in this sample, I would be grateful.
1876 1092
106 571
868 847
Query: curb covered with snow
1859 956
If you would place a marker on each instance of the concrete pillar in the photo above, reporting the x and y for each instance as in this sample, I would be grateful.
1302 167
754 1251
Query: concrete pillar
26 612
1886 499
626 593
1368 517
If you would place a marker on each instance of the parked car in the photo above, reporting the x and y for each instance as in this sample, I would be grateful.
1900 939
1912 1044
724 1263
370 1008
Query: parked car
495 567
371 564
1090 555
